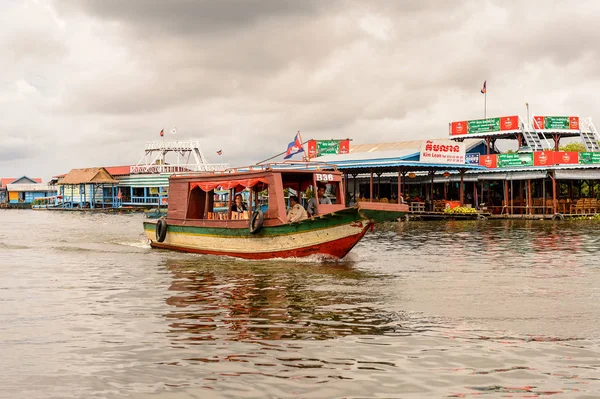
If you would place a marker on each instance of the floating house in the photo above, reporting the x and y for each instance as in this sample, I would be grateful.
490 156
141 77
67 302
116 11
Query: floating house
88 188
23 190
146 184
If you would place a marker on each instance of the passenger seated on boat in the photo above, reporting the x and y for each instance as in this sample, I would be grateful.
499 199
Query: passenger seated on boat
401 199
296 212
311 209
238 206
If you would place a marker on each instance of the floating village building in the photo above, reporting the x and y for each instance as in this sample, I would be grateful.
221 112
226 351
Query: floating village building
537 179
143 185
23 191
463 168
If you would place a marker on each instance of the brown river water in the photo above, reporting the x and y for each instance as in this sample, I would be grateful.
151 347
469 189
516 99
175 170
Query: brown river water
468 309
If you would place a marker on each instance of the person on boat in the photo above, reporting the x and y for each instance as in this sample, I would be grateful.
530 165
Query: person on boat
296 212
401 199
238 205
312 204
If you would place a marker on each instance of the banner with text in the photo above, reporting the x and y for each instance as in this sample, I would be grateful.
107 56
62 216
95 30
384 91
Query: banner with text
437 151
317 148
512 160
556 122
589 157
484 126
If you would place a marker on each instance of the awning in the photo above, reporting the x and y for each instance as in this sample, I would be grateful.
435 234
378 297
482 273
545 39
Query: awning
228 184
577 174
455 178
492 176
530 175
522 175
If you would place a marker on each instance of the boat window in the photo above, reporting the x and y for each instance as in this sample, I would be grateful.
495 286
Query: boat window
196 204
332 191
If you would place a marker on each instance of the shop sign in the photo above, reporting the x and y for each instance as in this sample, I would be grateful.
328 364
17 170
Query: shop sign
589 157
489 161
316 148
513 160
483 126
472 159
438 151
566 158
328 147
543 158
556 122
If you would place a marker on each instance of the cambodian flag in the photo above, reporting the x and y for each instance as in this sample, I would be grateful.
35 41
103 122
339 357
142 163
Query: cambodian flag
484 88
295 147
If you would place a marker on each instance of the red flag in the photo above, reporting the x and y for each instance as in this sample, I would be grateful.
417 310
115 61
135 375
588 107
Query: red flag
220 152
162 132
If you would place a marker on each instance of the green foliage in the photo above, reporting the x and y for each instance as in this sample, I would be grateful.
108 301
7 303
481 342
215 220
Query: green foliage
573 147
309 193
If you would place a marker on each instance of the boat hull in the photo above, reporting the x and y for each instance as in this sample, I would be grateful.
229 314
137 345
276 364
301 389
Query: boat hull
378 212
331 235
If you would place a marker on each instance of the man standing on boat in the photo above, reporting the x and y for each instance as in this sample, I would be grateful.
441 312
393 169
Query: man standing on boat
312 204
296 212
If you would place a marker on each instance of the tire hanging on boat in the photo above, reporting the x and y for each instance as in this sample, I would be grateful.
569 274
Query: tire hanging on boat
256 221
558 216
161 230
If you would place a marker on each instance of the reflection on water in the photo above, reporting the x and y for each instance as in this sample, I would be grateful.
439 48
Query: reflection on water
297 301
451 309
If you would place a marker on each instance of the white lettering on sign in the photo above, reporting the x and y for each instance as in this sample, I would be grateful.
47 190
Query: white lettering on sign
324 177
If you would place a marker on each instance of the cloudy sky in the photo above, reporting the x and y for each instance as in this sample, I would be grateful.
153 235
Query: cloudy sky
88 82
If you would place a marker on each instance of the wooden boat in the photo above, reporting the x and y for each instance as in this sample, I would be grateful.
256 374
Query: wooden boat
192 225
378 212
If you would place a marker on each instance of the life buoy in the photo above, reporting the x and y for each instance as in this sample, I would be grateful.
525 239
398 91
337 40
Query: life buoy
256 221
558 216
161 230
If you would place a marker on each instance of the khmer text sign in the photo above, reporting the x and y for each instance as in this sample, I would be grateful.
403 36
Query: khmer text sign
436 151
556 122
484 126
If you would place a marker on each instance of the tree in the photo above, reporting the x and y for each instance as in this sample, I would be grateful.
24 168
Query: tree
573 147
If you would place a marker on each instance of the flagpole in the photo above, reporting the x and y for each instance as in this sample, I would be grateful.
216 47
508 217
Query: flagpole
485 104
278 155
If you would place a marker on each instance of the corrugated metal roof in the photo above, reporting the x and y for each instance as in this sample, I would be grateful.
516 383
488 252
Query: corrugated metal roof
389 155
414 145
396 163
364 156
27 187
578 174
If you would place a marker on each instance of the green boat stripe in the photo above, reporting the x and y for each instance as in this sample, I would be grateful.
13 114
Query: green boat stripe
320 223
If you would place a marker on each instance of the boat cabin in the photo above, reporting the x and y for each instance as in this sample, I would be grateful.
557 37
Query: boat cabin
198 199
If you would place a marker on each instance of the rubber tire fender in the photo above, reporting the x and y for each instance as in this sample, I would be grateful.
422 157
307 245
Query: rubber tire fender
558 216
256 221
161 230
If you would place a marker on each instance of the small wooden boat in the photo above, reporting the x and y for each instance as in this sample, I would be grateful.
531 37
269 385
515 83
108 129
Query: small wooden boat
192 225
379 212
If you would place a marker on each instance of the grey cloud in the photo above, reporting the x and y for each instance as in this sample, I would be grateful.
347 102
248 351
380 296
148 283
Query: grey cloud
184 17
